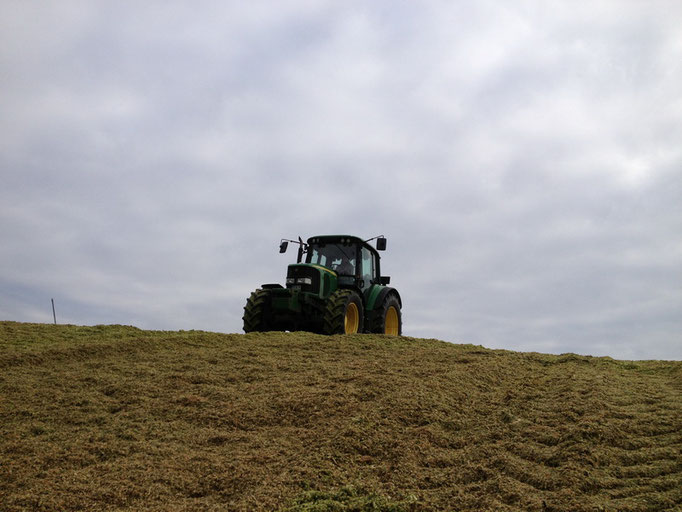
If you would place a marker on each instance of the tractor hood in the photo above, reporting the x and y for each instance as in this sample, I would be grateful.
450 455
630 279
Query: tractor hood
307 277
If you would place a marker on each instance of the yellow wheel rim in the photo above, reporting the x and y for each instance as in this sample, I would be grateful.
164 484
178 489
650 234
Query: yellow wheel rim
352 320
391 324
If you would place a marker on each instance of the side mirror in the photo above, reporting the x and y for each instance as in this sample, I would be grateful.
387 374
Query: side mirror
283 247
385 280
381 244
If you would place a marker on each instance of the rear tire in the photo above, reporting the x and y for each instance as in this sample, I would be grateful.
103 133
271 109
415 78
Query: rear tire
344 313
388 318
256 311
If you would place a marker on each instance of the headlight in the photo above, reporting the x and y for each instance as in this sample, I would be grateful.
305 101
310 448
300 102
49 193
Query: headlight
304 280
291 280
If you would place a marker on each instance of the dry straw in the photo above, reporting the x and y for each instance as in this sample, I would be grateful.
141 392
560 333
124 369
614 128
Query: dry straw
115 418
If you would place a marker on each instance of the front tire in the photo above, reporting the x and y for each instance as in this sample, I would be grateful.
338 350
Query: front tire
344 313
256 311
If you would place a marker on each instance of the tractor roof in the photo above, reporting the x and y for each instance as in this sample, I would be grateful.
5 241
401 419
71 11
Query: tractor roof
343 239
348 239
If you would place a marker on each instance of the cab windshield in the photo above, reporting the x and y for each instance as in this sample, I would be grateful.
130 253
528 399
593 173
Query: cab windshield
336 257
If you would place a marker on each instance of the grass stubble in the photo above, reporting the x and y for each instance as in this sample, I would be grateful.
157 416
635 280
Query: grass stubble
116 418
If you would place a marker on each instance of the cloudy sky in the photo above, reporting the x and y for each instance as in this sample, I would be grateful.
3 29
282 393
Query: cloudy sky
524 160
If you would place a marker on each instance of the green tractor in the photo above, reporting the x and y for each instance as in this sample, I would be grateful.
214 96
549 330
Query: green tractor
336 287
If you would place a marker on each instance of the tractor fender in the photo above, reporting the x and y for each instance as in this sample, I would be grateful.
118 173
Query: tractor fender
377 295
272 286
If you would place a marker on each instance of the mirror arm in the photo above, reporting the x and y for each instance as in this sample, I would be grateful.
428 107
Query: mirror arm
302 248
381 242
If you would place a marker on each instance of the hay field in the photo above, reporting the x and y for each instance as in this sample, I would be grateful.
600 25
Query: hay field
116 418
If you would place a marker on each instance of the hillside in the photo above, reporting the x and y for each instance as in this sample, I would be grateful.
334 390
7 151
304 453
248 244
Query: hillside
116 418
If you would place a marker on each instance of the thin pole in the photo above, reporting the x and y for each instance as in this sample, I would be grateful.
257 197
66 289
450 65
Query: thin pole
53 313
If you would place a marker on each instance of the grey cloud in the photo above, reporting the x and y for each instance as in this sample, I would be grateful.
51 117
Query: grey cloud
524 163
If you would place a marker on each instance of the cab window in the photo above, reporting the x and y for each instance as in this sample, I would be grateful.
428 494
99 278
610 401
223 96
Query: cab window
335 257
368 267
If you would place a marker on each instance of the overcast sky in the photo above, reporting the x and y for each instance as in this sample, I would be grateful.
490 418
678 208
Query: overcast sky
524 160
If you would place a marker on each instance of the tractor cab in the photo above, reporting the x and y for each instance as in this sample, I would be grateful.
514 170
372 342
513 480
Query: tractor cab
355 262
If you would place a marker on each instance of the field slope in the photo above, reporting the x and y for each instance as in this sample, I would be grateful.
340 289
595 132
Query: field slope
116 418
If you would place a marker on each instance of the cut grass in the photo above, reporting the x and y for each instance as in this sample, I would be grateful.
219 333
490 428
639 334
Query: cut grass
116 418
